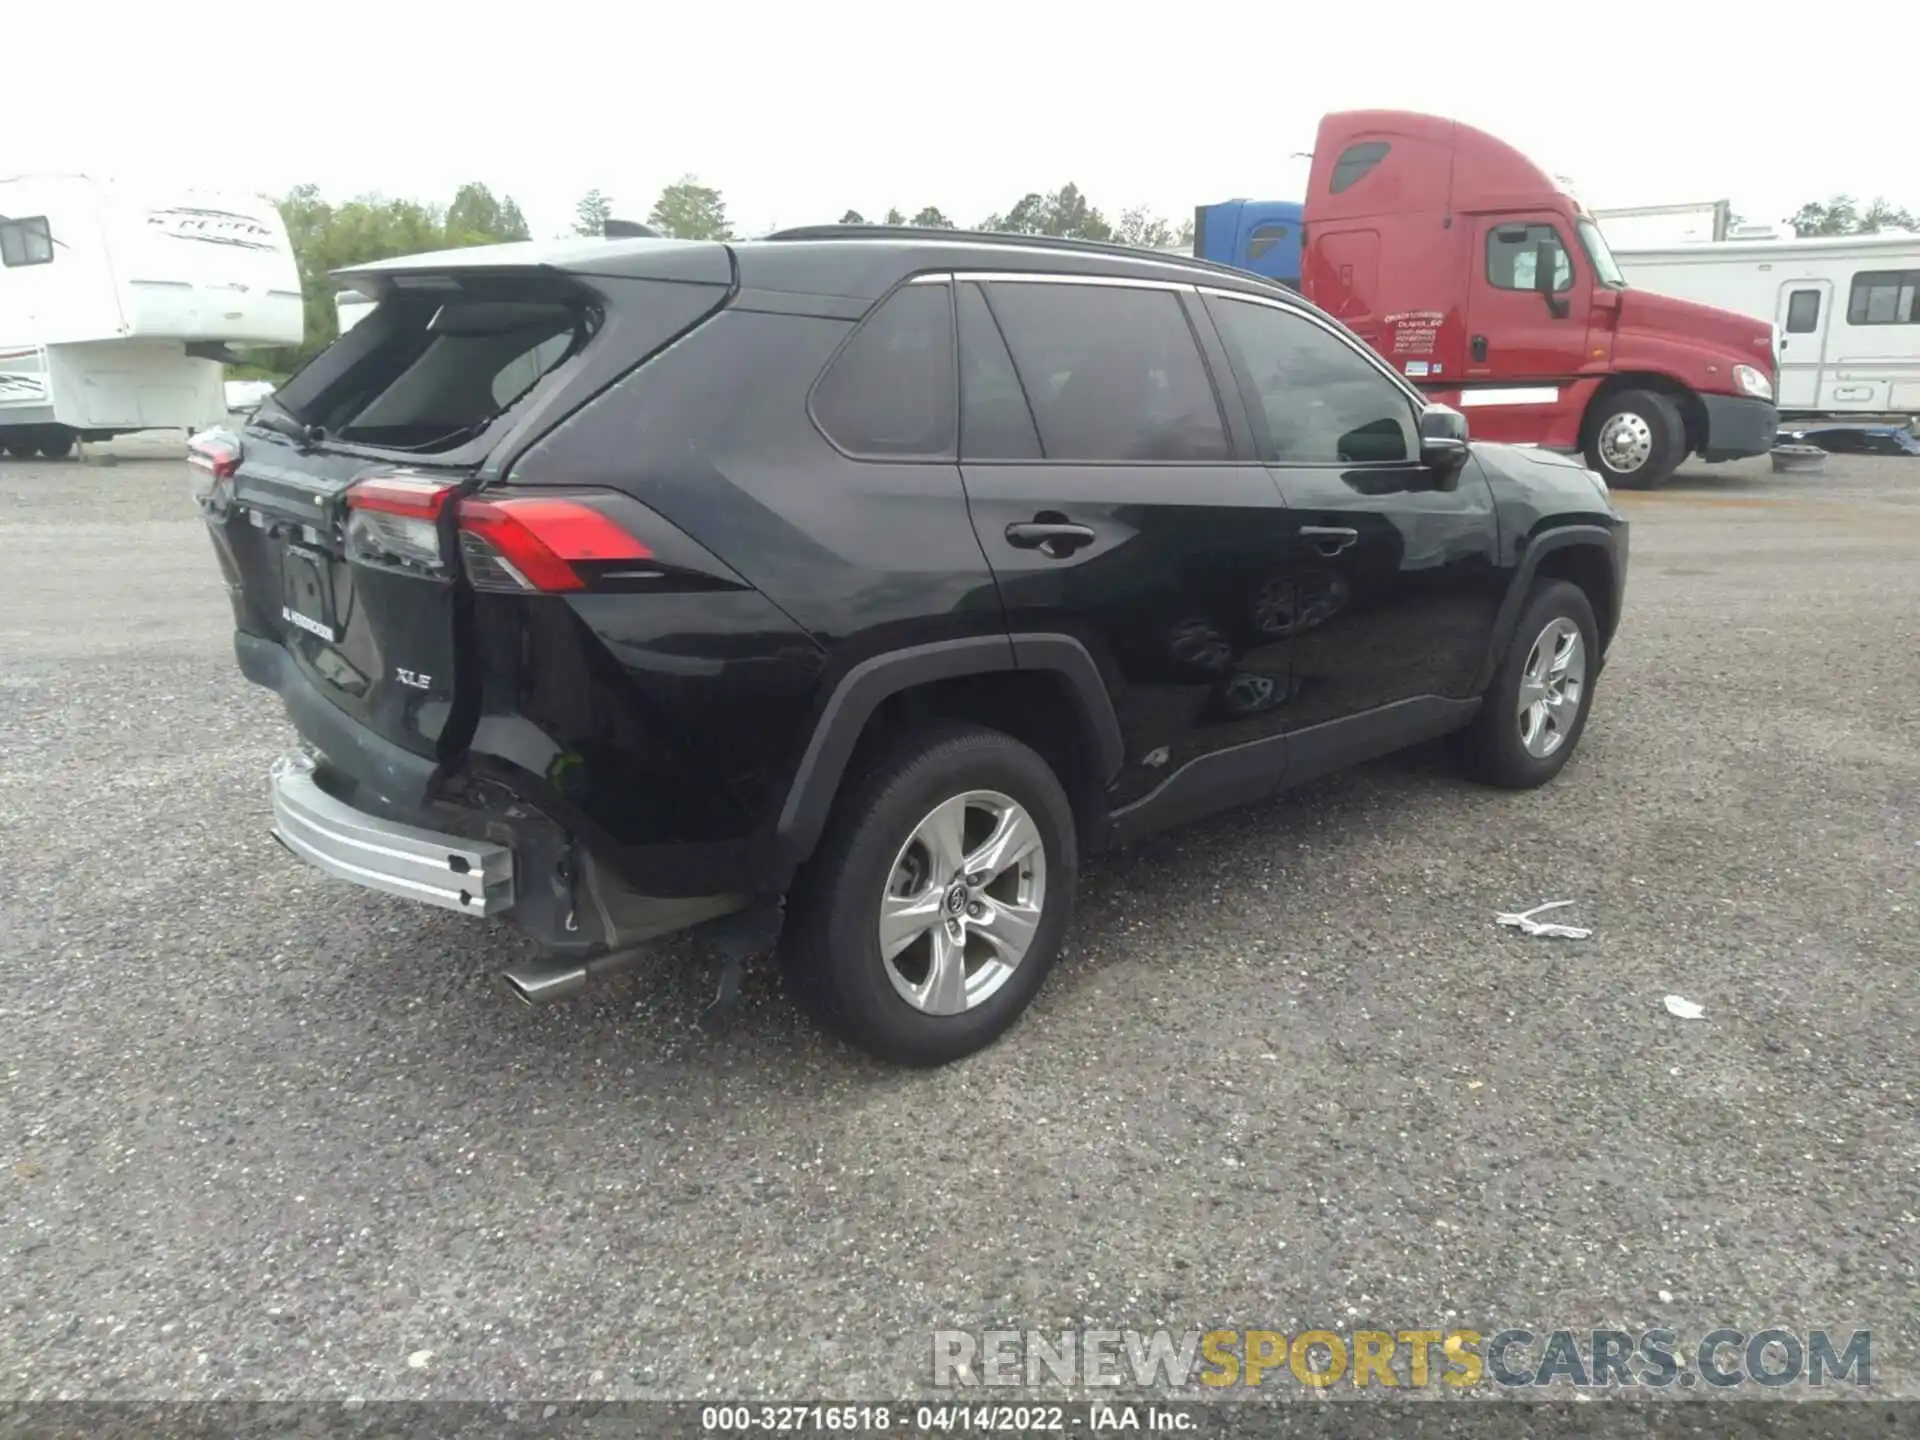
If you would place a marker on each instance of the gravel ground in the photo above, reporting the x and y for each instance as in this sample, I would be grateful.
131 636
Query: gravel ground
273 1136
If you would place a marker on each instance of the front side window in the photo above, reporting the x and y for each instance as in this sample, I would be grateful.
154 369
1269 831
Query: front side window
1320 402
1885 297
1112 372
1512 252
1803 312
890 390
26 242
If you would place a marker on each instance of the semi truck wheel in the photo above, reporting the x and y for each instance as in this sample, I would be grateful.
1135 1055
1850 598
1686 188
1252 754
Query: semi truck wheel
1636 439
17 443
56 442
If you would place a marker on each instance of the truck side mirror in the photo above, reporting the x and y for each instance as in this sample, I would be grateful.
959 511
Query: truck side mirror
1443 442
1546 270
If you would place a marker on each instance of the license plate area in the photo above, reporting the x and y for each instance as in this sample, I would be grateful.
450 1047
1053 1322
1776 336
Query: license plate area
306 592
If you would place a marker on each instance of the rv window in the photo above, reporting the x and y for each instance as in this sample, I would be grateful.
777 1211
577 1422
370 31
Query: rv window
1803 312
1885 297
1354 163
1510 258
26 242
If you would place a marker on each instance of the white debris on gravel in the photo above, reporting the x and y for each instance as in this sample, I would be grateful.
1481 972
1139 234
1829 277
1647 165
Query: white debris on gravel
1523 920
1685 1009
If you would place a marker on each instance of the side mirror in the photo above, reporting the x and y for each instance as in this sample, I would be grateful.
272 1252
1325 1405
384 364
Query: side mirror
1443 441
1546 269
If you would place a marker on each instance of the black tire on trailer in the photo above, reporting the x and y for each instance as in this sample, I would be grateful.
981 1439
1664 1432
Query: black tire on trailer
1636 439
19 444
56 442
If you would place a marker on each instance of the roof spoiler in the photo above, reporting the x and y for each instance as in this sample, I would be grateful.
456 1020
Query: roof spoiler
628 230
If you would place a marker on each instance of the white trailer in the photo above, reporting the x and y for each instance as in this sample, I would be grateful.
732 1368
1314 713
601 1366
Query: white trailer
1845 311
119 305
1646 227
350 307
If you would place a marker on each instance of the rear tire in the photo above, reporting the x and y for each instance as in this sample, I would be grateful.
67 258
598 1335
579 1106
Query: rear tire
1532 715
18 447
960 842
56 444
1636 439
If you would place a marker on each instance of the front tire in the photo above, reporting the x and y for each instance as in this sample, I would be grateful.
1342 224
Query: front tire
56 443
934 908
1533 713
1637 439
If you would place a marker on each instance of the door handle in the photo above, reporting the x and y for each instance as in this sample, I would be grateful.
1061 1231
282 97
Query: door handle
1329 539
1053 538
1479 347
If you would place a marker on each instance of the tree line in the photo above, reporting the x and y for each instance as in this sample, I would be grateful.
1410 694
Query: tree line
327 236
1844 215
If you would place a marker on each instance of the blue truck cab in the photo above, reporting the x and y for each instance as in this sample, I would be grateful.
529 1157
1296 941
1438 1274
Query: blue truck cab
1258 235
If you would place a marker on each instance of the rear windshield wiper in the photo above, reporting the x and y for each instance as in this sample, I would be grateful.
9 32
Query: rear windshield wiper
281 421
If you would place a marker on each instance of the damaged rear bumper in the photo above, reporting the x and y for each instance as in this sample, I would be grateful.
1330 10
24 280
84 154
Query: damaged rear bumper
531 875
474 877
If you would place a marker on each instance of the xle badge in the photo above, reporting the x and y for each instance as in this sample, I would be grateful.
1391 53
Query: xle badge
413 678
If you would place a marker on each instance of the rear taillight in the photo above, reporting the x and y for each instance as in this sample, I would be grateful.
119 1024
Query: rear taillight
213 458
395 520
514 543
534 542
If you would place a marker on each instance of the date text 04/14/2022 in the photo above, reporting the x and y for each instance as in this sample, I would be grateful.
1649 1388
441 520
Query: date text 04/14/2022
1100 1418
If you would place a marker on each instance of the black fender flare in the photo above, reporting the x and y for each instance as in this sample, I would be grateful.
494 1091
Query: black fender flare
1525 570
858 693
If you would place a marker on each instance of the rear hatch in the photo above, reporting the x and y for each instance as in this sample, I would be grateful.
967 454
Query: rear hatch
337 513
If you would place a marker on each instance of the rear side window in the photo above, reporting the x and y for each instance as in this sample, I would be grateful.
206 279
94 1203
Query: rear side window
1803 312
1512 252
1885 297
1112 372
890 390
26 242
996 422
1355 162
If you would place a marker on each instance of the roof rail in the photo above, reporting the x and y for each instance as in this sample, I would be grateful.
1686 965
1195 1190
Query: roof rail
1002 237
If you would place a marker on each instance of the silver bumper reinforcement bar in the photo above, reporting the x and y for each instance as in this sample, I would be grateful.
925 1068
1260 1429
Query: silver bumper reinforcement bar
474 877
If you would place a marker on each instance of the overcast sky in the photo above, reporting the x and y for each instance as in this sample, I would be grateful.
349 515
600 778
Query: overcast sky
799 111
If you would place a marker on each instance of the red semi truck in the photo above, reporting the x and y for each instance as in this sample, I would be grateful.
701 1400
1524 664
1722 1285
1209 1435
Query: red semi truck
1464 264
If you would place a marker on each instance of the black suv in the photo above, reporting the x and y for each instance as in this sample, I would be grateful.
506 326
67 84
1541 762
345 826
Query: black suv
850 586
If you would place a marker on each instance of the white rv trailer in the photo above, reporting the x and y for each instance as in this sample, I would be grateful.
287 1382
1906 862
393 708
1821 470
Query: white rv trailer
350 307
118 305
1845 311
1648 227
